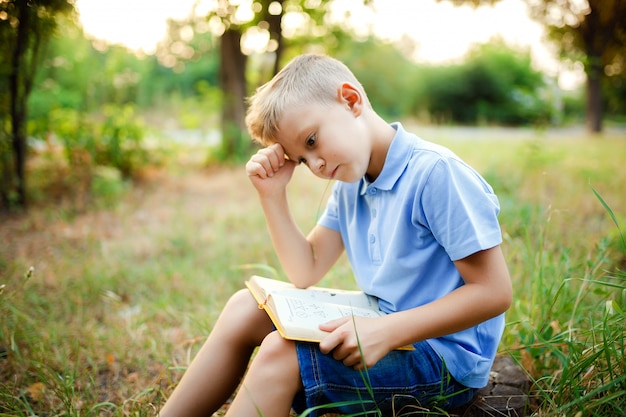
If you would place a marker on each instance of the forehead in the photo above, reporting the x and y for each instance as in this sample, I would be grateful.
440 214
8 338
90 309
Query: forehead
298 122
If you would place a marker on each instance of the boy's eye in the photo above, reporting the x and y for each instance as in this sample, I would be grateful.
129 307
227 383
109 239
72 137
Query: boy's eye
310 141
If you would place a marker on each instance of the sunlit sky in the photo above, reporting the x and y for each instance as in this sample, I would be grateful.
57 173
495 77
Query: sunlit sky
442 32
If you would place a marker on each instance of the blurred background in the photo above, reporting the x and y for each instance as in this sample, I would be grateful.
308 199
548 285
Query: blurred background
103 81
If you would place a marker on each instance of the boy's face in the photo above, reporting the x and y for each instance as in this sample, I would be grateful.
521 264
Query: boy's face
330 139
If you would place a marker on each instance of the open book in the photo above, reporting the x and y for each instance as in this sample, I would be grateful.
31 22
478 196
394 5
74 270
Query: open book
297 313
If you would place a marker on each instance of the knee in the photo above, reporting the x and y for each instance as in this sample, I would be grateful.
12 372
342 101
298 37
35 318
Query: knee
279 355
242 305
242 298
244 319
275 349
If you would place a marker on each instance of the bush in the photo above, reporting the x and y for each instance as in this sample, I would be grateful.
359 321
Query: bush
76 149
495 85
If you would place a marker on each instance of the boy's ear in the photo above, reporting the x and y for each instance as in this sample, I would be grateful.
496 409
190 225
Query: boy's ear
349 95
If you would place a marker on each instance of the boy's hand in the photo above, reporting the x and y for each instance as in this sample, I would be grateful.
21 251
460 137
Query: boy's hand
269 171
342 341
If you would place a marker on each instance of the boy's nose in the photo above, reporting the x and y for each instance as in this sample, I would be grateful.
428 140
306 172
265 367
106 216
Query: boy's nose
317 165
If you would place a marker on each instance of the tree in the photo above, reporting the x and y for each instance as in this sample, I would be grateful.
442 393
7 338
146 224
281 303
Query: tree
596 34
232 77
591 31
226 21
25 27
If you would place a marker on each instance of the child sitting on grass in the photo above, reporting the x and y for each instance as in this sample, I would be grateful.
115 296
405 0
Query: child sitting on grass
420 230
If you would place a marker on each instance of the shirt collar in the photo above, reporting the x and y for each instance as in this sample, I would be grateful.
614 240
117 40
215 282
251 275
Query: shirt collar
396 161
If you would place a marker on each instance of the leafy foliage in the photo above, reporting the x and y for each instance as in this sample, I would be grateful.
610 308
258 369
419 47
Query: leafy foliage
25 27
178 86
68 78
591 32
496 84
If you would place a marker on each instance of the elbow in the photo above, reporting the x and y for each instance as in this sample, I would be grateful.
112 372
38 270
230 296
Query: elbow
506 304
505 300
498 296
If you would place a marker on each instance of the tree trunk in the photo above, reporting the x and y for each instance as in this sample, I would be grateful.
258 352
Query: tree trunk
594 36
19 95
594 95
276 33
233 84
5 172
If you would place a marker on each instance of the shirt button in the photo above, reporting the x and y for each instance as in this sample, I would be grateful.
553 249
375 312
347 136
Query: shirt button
371 191
372 238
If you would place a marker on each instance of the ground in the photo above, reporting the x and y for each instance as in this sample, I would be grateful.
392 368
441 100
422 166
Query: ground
156 198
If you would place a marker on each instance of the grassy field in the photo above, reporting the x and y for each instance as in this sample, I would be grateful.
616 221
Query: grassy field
102 308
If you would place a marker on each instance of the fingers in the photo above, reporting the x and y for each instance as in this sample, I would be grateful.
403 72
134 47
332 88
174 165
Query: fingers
266 162
342 344
334 339
357 349
349 356
330 326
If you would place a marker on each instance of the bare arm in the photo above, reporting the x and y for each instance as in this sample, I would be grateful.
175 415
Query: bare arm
305 259
487 293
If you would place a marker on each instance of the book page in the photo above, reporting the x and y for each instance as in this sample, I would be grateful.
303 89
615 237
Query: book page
355 299
316 294
310 312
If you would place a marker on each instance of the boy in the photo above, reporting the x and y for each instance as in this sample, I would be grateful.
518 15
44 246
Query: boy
420 229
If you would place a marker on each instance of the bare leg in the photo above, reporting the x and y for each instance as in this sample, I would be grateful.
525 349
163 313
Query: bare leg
271 382
220 364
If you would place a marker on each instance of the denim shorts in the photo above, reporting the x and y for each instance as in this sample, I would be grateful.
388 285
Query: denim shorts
402 383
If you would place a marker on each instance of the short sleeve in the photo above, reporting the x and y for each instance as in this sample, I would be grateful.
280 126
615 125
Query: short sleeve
460 209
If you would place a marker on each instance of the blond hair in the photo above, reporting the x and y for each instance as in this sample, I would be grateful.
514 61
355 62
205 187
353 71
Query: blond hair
307 78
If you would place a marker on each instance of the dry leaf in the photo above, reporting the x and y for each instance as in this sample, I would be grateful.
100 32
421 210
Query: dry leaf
528 362
36 390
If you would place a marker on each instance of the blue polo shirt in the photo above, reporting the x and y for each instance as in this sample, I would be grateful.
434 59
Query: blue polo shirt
402 232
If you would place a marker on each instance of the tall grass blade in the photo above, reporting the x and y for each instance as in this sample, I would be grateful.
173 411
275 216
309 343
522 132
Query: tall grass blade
613 217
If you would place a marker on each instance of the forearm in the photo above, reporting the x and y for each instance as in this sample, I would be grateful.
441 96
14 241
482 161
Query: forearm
374 338
461 309
487 293
270 173
294 251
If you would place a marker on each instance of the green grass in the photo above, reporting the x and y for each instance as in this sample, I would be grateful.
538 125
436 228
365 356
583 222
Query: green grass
122 295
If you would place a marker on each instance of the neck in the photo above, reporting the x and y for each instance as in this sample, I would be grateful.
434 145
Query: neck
382 135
